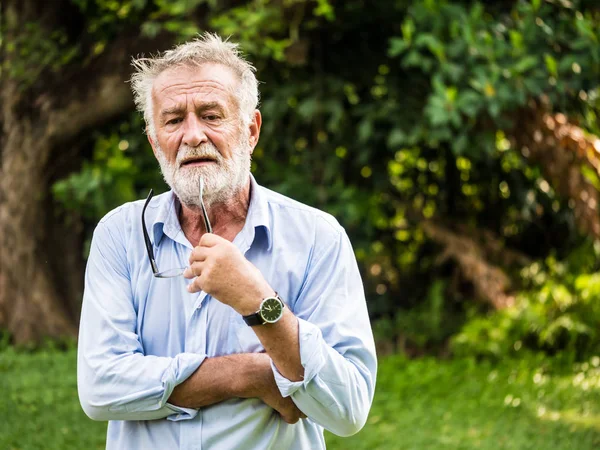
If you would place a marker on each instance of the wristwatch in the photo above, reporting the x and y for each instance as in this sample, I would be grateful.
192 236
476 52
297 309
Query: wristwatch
270 311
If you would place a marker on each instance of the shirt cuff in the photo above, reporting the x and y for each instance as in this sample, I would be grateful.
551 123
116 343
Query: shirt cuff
182 367
180 413
312 358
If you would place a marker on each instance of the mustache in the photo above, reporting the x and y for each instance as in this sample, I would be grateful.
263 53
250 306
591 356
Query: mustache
203 151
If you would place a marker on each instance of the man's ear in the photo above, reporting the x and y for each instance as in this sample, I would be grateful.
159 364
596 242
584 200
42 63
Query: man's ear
152 144
255 130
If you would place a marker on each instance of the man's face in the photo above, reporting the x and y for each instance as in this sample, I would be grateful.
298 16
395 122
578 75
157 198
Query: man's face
199 131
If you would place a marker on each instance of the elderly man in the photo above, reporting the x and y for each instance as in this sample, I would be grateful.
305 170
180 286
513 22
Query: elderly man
265 341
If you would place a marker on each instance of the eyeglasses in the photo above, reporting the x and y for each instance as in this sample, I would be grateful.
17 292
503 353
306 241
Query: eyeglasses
170 273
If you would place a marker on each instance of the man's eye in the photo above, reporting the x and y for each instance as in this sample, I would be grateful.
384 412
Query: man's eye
174 121
211 117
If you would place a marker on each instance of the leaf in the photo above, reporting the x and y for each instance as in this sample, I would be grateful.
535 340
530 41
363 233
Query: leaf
516 39
365 130
413 59
397 47
591 176
494 109
533 86
138 4
433 44
469 103
307 108
460 144
396 138
324 9
526 63
551 64
150 29
436 112
408 28
454 71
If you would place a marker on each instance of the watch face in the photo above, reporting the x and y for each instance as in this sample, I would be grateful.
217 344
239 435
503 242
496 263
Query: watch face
271 310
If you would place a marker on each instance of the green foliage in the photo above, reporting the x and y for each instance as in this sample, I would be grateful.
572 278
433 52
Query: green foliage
426 326
559 313
483 64
532 403
388 118
34 51
122 169
258 26
425 130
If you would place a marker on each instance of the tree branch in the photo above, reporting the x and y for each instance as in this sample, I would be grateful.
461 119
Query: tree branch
98 92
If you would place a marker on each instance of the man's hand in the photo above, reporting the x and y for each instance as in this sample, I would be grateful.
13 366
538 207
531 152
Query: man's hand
261 384
222 271
286 408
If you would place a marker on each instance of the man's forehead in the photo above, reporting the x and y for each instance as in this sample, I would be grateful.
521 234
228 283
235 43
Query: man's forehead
212 80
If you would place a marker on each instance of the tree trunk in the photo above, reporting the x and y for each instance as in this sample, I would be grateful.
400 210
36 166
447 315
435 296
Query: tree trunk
41 262
29 303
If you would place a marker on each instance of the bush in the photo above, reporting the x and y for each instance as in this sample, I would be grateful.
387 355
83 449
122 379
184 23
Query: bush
559 314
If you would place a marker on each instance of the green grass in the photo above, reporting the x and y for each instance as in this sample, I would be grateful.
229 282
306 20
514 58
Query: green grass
431 404
420 404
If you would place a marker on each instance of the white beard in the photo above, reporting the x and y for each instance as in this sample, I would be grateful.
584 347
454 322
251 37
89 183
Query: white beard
222 181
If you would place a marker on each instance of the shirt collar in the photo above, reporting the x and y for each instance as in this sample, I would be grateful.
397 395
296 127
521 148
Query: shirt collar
167 220
258 218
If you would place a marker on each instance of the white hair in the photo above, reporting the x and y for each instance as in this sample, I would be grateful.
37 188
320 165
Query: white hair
206 48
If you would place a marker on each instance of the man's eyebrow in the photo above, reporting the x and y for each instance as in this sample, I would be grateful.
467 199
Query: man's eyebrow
202 107
211 105
172 110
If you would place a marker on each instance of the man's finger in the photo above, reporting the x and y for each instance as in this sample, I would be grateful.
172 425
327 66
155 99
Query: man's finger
187 273
195 286
194 269
198 254
210 240
290 420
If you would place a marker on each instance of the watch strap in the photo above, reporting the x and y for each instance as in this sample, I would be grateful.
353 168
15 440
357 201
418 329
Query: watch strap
254 319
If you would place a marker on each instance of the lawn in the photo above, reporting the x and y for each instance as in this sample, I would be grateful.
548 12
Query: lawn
420 404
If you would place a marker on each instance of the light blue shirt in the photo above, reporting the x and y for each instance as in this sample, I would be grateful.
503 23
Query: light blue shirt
141 336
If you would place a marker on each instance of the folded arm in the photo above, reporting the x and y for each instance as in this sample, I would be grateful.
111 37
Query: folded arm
245 375
336 347
117 381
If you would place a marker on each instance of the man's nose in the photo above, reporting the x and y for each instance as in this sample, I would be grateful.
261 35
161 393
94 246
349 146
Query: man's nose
193 132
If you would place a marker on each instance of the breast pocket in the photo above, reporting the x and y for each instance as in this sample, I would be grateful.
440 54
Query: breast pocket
242 338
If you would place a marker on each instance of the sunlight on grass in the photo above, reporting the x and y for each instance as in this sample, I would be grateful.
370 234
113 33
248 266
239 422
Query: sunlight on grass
573 417
426 403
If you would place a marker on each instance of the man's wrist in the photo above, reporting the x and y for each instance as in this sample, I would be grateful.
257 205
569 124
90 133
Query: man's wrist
252 303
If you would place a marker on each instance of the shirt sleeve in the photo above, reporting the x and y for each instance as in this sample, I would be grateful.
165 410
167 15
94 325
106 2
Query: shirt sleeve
337 349
115 379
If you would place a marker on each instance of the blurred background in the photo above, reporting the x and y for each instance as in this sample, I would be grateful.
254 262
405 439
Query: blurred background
456 141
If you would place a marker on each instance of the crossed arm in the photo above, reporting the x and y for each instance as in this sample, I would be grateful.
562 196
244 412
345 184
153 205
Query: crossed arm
245 375
321 359
118 382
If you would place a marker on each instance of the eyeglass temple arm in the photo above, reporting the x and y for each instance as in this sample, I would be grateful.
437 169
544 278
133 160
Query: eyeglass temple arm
146 237
206 221
202 207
